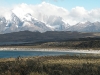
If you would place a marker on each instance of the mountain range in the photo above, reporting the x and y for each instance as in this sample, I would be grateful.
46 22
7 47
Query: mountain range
21 18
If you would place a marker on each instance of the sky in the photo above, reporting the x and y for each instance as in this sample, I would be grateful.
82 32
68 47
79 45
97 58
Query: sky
68 4
70 11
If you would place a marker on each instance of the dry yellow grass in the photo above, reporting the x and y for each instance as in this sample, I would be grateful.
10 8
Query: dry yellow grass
73 61
51 65
7 59
70 61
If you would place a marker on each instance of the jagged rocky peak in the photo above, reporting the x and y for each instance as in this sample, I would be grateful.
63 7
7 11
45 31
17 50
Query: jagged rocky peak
45 17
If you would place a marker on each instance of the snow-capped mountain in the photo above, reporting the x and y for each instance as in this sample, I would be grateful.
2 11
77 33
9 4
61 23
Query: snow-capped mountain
45 17
15 24
86 27
24 17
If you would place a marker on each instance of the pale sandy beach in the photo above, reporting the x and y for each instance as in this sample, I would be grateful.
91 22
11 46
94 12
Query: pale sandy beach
50 49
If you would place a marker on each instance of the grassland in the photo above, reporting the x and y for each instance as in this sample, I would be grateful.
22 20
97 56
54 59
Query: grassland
51 65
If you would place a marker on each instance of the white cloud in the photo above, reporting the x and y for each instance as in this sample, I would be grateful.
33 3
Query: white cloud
22 10
78 12
94 14
5 12
44 10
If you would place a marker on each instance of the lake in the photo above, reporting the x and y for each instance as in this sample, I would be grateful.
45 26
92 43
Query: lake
12 52
7 54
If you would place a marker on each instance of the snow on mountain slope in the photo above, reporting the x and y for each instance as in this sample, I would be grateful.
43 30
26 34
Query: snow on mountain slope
40 13
47 17
16 24
33 18
86 27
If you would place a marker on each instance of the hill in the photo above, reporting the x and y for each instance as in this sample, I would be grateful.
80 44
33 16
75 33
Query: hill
29 38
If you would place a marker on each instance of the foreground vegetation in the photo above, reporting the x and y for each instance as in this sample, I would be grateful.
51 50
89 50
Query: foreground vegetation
51 65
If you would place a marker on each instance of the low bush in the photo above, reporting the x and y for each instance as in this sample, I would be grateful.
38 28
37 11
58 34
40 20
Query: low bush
52 65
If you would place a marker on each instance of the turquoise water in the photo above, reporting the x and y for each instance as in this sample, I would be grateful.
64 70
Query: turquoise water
7 54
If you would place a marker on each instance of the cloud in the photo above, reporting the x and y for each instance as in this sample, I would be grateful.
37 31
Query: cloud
22 10
5 12
80 14
44 10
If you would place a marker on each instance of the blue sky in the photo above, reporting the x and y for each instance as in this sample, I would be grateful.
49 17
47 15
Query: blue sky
68 4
